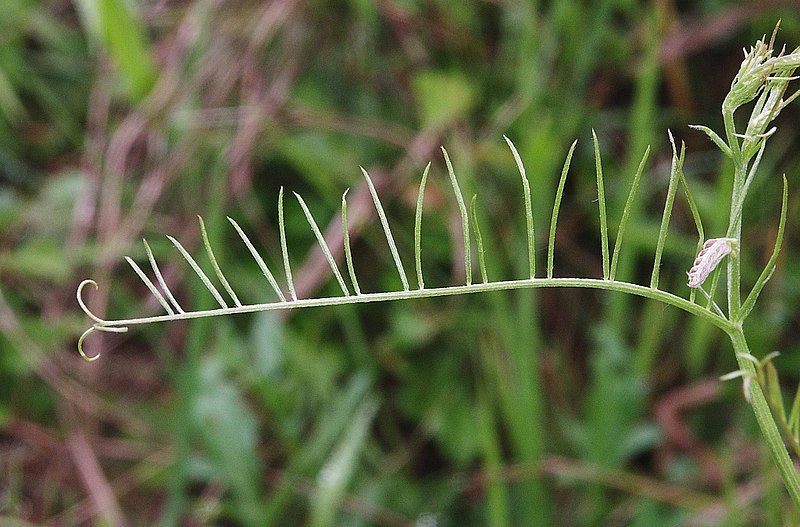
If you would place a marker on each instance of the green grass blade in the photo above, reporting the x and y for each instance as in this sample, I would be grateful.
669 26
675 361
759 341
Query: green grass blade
348 255
322 243
497 502
750 301
794 415
125 38
418 227
626 212
773 391
677 165
601 200
478 240
150 285
215 265
10 103
526 189
386 230
462 209
284 249
338 471
259 260
199 272
160 277
332 423
698 222
551 241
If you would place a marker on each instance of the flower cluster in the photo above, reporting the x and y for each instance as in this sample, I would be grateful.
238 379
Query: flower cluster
764 78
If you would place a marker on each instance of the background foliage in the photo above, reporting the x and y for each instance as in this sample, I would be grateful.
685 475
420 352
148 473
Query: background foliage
554 407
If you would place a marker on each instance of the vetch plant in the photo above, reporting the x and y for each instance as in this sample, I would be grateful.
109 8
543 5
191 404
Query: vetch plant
762 81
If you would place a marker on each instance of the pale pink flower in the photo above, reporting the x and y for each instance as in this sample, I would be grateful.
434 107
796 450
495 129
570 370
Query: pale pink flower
712 253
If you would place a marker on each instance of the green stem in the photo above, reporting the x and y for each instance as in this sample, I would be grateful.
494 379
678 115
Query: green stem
532 283
735 231
766 422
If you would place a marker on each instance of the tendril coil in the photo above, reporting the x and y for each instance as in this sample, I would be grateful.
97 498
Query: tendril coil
100 324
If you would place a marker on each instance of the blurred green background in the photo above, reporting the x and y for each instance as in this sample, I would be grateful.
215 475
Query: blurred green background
120 120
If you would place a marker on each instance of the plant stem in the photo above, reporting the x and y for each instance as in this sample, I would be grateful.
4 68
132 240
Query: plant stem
786 429
766 422
735 231
532 283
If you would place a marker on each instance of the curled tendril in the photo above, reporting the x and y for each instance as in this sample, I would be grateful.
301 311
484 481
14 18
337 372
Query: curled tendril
102 325
86 333
81 303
